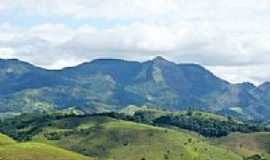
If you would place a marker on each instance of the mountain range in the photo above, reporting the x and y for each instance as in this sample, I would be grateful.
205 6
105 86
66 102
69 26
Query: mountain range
105 85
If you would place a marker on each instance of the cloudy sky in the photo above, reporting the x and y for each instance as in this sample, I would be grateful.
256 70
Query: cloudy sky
229 37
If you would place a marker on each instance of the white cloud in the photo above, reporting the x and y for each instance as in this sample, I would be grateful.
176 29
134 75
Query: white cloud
51 32
92 9
251 73
125 9
135 37
7 53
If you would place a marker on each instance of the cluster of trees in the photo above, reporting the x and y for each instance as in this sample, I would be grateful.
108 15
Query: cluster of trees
209 127
25 126
206 126
255 157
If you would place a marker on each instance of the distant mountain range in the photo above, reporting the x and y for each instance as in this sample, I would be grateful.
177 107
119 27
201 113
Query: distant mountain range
104 85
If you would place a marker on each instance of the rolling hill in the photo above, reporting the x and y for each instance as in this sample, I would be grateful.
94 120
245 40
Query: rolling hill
5 140
107 138
105 85
246 144
11 150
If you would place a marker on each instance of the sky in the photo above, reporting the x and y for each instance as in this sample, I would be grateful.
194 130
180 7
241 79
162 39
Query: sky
229 37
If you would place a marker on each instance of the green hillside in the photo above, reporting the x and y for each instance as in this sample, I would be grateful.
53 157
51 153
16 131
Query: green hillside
247 144
10 150
5 140
137 136
107 138
37 151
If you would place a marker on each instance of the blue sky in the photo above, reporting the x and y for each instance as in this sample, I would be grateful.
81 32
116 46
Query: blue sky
231 38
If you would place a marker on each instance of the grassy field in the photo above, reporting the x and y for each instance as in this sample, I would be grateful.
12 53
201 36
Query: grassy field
246 144
109 139
10 150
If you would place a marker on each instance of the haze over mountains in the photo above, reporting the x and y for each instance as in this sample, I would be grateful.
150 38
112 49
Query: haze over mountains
113 84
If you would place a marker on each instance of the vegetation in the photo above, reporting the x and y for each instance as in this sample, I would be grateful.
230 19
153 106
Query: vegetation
37 151
5 140
142 135
255 157
10 150
104 137
209 127
25 126
206 124
246 144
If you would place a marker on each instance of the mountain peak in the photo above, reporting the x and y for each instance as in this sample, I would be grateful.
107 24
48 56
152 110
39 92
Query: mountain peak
161 60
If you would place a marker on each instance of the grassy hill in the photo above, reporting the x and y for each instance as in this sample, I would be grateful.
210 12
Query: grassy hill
246 144
107 138
5 140
118 136
10 150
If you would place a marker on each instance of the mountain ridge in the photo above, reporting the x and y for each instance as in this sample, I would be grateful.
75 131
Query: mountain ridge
103 85
126 60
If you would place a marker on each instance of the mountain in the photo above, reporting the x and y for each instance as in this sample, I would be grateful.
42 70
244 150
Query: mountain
104 85
263 91
16 76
